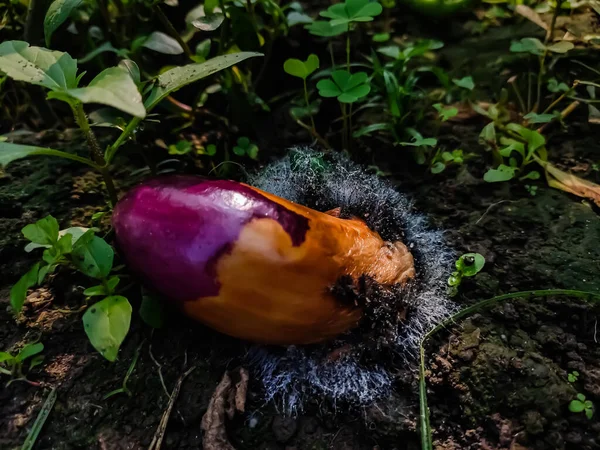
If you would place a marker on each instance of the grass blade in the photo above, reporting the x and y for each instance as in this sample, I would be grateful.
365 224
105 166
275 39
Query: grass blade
40 421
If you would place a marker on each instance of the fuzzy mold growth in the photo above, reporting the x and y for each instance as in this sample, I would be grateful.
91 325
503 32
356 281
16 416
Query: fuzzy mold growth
355 368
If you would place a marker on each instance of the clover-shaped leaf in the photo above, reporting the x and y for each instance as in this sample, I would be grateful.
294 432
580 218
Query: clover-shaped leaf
246 147
352 11
528 45
301 69
346 87
326 29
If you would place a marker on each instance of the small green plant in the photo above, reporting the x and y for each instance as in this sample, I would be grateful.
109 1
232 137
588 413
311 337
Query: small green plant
580 404
468 265
445 113
442 160
106 322
347 88
303 69
13 364
245 147
116 87
532 189
573 376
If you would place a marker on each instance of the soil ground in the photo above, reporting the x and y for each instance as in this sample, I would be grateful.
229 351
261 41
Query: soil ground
497 380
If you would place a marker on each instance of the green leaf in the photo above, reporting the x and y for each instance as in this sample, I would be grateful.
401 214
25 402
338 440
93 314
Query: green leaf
470 264
95 290
580 397
534 139
178 77
352 11
533 175
438 167
381 37
29 350
502 173
240 151
326 29
112 87
75 232
296 18
528 45
466 83
4 356
445 113
328 88
488 134
346 87
554 86
36 65
162 43
112 283
203 48
92 256
132 68
561 47
44 231
243 142
209 22
589 413
151 311
393 51
576 406
18 292
364 131
106 324
10 152
539 118
301 69
57 13
211 149
180 148
36 361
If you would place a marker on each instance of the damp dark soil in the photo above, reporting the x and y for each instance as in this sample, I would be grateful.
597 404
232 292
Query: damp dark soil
497 380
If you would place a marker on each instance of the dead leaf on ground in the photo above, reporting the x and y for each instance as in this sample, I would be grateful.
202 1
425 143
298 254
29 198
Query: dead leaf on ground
531 15
225 401
567 182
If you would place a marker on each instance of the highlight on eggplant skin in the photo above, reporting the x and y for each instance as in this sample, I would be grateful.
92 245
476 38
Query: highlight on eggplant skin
248 263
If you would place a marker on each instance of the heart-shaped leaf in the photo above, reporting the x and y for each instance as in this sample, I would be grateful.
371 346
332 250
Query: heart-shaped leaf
301 69
57 13
346 87
178 77
36 65
528 45
326 29
106 324
112 87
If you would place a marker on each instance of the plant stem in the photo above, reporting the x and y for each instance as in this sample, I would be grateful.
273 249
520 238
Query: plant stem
172 31
518 94
559 99
564 113
95 150
129 129
348 50
345 129
312 120
316 135
331 54
542 70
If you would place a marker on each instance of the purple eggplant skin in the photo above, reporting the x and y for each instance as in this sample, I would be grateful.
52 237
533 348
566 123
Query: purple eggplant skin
172 230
